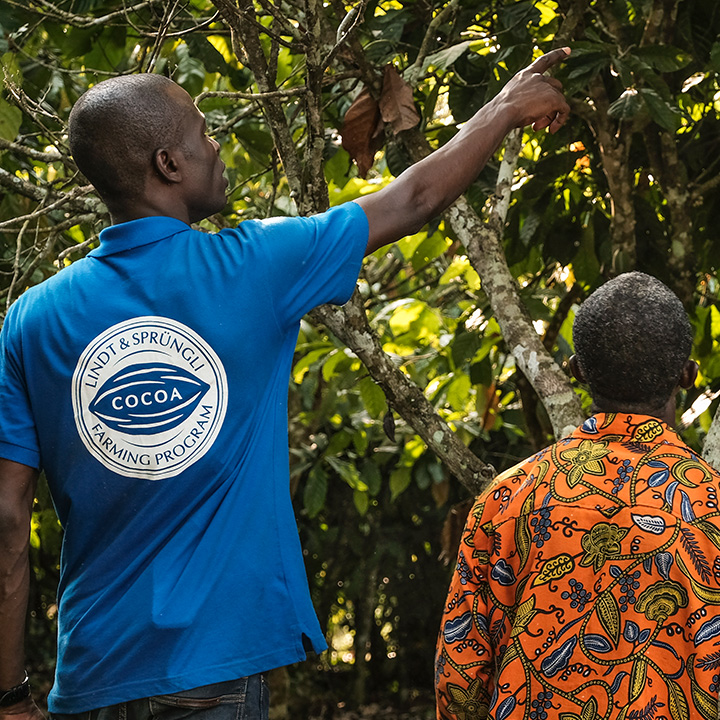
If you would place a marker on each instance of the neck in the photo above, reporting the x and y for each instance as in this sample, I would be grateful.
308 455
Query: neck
158 200
665 413
140 210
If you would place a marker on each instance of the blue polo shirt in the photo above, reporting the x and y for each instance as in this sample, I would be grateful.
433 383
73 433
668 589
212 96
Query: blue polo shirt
149 382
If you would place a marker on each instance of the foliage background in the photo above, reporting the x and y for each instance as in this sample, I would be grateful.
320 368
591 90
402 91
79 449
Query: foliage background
630 182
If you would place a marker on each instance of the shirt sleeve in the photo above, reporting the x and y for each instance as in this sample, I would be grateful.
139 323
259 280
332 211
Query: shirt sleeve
309 261
464 661
18 436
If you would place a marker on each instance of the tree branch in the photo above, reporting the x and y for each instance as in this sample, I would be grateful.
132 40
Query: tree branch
83 21
483 243
350 325
80 203
244 32
711 448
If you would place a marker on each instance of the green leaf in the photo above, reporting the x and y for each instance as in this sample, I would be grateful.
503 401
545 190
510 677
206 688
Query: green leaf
348 472
338 442
458 393
386 29
445 58
202 49
715 57
333 365
661 112
430 248
361 501
337 166
464 345
586 264
589 65
373 398
108 51
371 476
627 106
664 58
77 41
190 71
305 362
315 491
10 120
360 441
399 481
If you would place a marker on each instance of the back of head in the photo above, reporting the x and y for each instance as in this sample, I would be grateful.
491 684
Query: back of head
115 128
632 339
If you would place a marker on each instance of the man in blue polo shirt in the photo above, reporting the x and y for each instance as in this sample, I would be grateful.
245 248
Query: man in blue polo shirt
149 382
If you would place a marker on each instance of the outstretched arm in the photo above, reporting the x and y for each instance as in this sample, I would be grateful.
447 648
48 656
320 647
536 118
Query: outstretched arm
17 490
428 187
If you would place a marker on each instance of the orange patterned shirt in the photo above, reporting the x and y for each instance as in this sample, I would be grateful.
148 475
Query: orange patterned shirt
587 585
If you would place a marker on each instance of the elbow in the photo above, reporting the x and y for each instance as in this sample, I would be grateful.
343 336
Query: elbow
428 199
14 529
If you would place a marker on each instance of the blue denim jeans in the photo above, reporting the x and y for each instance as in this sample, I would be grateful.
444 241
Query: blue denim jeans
245 699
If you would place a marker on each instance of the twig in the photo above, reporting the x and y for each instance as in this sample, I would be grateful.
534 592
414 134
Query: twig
45 209
168 17
80 246
16 264
22 187
430 38
345 30
47 157
83 21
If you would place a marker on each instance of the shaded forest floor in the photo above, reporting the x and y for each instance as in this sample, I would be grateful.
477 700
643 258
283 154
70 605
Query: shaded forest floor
376 711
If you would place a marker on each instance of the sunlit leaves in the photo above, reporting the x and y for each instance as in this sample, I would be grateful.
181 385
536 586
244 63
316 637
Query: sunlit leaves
10 119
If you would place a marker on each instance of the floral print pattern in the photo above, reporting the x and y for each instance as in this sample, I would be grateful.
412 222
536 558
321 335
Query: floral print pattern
588 585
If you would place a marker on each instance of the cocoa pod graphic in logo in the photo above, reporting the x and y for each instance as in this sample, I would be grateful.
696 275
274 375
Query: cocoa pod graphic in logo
148 398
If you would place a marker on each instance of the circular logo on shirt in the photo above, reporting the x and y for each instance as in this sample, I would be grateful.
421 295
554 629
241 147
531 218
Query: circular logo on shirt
149 397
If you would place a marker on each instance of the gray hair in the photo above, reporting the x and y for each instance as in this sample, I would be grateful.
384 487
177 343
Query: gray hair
632 339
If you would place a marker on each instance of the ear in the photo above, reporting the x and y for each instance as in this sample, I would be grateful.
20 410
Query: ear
688 375
576 370
166 166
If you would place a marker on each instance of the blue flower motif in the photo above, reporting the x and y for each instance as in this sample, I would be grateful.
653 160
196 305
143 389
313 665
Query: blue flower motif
631 631
590 426
559 659
505 708
458 629
502 573
663 562
708 630
597 643
660 476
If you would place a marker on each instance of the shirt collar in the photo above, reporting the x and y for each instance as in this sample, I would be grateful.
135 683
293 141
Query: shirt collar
628 427
132 234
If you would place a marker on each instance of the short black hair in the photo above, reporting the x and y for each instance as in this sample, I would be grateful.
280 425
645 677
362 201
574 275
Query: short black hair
632 339
116 127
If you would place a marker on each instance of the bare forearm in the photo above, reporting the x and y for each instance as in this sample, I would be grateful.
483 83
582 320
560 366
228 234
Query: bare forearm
14 592
427 188
433 184
17 490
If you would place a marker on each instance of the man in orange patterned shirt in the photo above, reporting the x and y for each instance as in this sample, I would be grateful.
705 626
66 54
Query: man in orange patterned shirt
588 577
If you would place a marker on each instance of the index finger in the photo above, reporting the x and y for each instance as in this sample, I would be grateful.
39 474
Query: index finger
546 61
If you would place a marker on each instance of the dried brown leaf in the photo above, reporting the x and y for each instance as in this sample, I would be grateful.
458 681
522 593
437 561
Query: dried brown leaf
396 102
362 131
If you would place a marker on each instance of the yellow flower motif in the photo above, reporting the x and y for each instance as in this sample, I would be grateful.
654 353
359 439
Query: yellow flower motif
661 600
647 431
467 703
601 543
586 458
554 568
